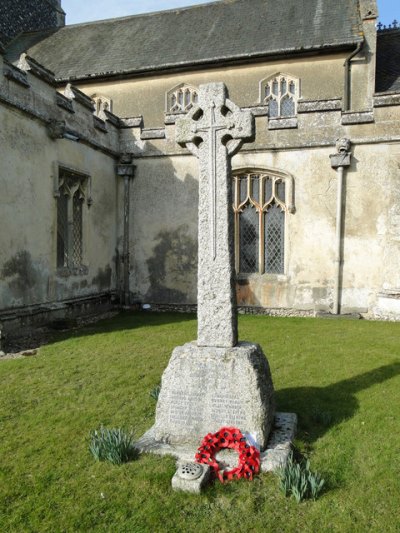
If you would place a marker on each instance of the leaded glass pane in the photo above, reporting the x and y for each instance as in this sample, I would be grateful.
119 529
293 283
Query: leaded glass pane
274 240
243 189
273 110
267 91
292 88
280 190
275 87
249 238
283 86
77 230
267 189
62 231
255 188
187 97
287 106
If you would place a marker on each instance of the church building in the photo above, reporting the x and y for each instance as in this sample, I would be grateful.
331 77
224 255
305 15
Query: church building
99 203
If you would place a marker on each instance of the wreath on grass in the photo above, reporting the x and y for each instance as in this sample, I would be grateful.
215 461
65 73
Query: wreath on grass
232 438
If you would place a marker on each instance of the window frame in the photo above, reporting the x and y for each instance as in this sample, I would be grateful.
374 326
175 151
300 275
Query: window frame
185 108
264 100
69 181
288 207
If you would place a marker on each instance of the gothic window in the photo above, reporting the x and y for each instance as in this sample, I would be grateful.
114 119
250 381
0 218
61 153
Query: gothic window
71 192
260 206
102 103
181 99
281 93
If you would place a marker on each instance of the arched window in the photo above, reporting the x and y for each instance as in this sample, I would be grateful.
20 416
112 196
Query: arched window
102 103
71 193
281 93
181 99
260 202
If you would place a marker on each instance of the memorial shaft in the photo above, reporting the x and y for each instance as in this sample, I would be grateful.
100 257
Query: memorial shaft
213 131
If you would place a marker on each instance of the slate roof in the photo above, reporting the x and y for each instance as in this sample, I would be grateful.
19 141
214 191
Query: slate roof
388 61
200 35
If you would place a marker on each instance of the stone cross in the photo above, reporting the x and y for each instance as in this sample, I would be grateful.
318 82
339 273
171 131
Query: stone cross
214 131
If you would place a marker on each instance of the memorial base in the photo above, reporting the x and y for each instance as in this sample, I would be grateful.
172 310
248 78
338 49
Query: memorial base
206 388
273 457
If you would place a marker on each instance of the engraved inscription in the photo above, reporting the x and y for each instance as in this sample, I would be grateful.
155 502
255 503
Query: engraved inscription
226 409
185 408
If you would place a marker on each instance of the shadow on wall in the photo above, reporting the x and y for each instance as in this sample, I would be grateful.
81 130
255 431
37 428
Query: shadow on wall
164 214
174 261
322 408
26 282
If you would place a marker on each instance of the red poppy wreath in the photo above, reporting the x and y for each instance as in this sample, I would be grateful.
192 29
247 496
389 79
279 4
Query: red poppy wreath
232 438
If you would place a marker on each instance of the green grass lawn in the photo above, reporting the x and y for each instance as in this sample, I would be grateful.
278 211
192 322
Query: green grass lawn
341 377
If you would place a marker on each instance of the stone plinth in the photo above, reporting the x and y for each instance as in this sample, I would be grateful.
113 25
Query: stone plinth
205 388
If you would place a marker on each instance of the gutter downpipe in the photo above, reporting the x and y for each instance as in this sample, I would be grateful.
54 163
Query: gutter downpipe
126 170
347 71
339 161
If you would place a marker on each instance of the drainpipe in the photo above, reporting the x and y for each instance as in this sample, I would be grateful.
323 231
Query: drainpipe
126 170
347 72
339 161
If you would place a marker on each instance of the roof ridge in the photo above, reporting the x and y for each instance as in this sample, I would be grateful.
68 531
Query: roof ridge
151 13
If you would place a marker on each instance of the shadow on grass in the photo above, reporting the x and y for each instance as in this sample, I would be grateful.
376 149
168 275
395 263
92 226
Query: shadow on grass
321 408
123 321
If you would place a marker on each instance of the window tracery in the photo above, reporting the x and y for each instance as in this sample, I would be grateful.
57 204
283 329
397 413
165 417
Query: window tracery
260 203
181 99
102 103
281 92
71 192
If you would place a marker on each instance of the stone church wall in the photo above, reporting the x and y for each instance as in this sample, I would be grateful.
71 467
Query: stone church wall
32 151
164 207
17 16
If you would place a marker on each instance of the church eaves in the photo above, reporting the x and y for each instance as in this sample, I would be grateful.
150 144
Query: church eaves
220 32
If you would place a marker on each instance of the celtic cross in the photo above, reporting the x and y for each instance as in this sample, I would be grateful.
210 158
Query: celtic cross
214 131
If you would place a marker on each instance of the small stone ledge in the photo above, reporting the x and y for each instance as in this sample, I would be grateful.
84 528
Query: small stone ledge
364 117
171 118
99 124
316 106
73 93
112 119
390 293
131 122
64 102
15 74
257 110
384 100
282 123
27 63
156 133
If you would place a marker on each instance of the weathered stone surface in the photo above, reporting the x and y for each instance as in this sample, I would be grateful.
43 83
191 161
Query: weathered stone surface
191 477
282 123
316 106
357 118
154 133
214 130
205 388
